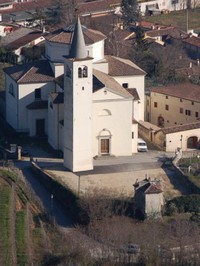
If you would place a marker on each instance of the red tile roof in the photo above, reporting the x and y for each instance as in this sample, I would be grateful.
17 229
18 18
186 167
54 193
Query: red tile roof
122 67
25 40
153 189
179 128
64 36
194 41
186 91
98 6
38 71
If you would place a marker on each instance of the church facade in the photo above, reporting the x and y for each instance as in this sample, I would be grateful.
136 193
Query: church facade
87 103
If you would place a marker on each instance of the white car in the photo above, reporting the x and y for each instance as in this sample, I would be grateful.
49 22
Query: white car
141 145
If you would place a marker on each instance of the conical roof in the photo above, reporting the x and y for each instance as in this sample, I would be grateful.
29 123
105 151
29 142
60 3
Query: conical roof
78 48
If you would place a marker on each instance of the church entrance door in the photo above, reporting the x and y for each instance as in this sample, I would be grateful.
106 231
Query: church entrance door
105 146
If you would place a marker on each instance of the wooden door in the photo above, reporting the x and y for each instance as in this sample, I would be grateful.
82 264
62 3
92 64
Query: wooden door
105 146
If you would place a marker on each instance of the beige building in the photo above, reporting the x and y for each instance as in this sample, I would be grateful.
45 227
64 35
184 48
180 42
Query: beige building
172 105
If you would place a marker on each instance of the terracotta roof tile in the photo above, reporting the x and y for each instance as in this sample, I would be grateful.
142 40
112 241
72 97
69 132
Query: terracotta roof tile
187 91
38 71
173 129
195 41
134 93
111 83
98 6
64 36
153 189
122 67
25 40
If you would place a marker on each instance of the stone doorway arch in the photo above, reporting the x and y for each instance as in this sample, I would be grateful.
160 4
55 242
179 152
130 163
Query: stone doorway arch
192 142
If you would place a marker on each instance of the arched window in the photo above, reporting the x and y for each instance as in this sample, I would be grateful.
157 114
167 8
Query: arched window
83 72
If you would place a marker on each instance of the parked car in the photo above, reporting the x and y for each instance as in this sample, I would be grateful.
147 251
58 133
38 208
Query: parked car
141 145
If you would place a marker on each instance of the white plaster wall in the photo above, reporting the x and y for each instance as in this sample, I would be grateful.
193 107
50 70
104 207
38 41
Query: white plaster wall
101 65
27 96
168 4
78 119
33 115
173 140
134 137
118 123
55 115
11 103
136 82
58 69
153 203
96 50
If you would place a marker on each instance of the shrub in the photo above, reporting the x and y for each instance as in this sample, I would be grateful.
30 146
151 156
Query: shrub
189 203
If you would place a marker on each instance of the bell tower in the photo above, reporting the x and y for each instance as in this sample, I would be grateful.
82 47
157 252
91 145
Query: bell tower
78 105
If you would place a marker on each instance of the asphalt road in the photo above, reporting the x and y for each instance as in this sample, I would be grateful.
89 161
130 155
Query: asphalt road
53 207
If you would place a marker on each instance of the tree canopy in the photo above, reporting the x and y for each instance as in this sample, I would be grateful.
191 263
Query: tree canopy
130 11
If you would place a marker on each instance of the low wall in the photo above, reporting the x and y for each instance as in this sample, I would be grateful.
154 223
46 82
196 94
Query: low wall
185 179
61 192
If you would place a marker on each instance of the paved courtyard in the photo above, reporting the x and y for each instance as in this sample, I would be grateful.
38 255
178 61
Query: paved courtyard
116 174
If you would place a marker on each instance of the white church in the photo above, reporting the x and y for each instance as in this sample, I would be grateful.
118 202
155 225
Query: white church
85 102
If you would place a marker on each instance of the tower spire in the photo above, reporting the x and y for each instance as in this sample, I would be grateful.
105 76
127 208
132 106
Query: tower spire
78 48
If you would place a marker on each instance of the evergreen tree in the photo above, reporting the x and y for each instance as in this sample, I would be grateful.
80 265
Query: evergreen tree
130 11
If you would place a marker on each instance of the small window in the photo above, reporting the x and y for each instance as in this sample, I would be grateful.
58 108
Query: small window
132 135
85 72
80 72
188 112
11 90
196 114
37 94
155 104
192 103
125 85
181 110
167 107
181 100
166 97
175 123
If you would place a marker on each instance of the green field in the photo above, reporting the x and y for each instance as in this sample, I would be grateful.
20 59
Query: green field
178 19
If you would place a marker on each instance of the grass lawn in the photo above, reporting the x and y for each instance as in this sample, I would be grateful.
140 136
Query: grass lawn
178 19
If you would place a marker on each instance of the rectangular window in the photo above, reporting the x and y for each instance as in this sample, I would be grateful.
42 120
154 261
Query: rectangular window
166 97
196 114
192 103
155 104
167 107
181 100
125 85
181 110
188 112
132 135
37 94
